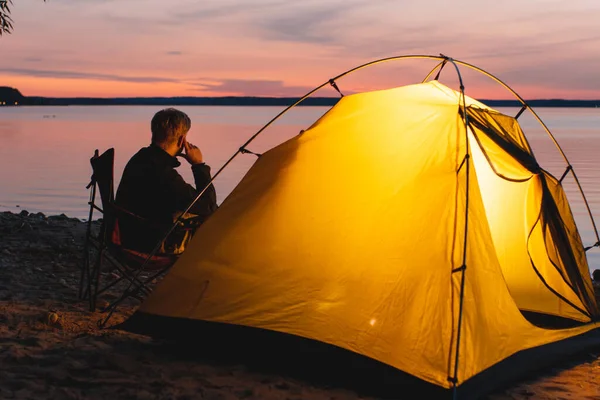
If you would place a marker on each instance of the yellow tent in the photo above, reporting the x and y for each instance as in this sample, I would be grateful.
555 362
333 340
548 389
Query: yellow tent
398 225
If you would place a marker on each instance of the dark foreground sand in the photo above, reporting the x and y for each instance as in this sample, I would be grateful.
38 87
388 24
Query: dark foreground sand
50 346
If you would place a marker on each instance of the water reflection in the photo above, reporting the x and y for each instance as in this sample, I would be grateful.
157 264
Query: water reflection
44 162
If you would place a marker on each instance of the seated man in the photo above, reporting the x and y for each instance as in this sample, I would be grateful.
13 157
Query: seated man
152 189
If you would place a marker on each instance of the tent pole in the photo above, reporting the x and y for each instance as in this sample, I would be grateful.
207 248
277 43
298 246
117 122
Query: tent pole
455 62
440 65
589 211
463 267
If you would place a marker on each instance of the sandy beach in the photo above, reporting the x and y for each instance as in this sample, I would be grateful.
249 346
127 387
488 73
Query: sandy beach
51 347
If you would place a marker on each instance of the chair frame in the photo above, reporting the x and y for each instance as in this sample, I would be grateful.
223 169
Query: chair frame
126 269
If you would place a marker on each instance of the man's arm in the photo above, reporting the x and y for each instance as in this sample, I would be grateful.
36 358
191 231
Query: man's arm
207 203
184 193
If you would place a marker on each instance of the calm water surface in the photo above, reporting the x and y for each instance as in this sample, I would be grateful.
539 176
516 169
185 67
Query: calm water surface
45 151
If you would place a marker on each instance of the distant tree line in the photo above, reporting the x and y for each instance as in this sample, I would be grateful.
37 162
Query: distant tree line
11 96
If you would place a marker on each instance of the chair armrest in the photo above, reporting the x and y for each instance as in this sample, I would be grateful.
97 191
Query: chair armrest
191 223
141 233
188 221
122 212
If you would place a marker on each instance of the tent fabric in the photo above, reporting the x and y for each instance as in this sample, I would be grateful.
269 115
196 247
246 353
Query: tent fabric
506 132
353 234
555 249
566 250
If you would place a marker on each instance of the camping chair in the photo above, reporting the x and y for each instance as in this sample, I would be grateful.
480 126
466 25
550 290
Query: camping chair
104 245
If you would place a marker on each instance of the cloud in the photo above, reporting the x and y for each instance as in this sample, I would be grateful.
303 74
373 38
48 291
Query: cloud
309 21
408 40
227 10
315 21
314 24
546 73
174 53
128 25
530 47
167 17
243 87
33 59
84 75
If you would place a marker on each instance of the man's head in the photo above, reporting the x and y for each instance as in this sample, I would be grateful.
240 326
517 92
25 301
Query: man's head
596 275
169 128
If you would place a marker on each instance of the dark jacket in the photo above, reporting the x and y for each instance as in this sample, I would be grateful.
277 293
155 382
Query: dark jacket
151 188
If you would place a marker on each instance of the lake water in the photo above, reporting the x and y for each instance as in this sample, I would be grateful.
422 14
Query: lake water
45 151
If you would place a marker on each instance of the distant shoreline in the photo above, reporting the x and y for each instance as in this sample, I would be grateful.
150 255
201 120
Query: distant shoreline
12 97
270 102
262 102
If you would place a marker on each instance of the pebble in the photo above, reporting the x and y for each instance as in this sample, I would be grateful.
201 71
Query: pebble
58 267
61 217
100 345
52 318
23 394
283 386
57 374
76 365
102 304
121 363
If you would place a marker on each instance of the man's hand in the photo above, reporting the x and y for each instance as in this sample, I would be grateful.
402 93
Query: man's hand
192 153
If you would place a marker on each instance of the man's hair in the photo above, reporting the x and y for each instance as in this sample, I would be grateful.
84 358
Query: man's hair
168 125
596 275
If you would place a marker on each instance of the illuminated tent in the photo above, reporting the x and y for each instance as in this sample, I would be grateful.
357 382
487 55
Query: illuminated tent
402 222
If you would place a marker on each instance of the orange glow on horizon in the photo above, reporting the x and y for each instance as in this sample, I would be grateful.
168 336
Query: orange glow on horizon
56 87
284 49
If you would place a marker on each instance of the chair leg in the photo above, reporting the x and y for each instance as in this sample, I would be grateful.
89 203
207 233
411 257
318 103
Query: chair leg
86 271
82 278
85 277
94 280
95 289
81 293
85 268
130 276
88 265
113 283
132 292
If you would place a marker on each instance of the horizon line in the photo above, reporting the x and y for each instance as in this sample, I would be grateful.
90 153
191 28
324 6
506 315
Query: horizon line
255 97
273 97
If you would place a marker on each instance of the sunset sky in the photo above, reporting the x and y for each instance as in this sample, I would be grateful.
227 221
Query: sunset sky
110 48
